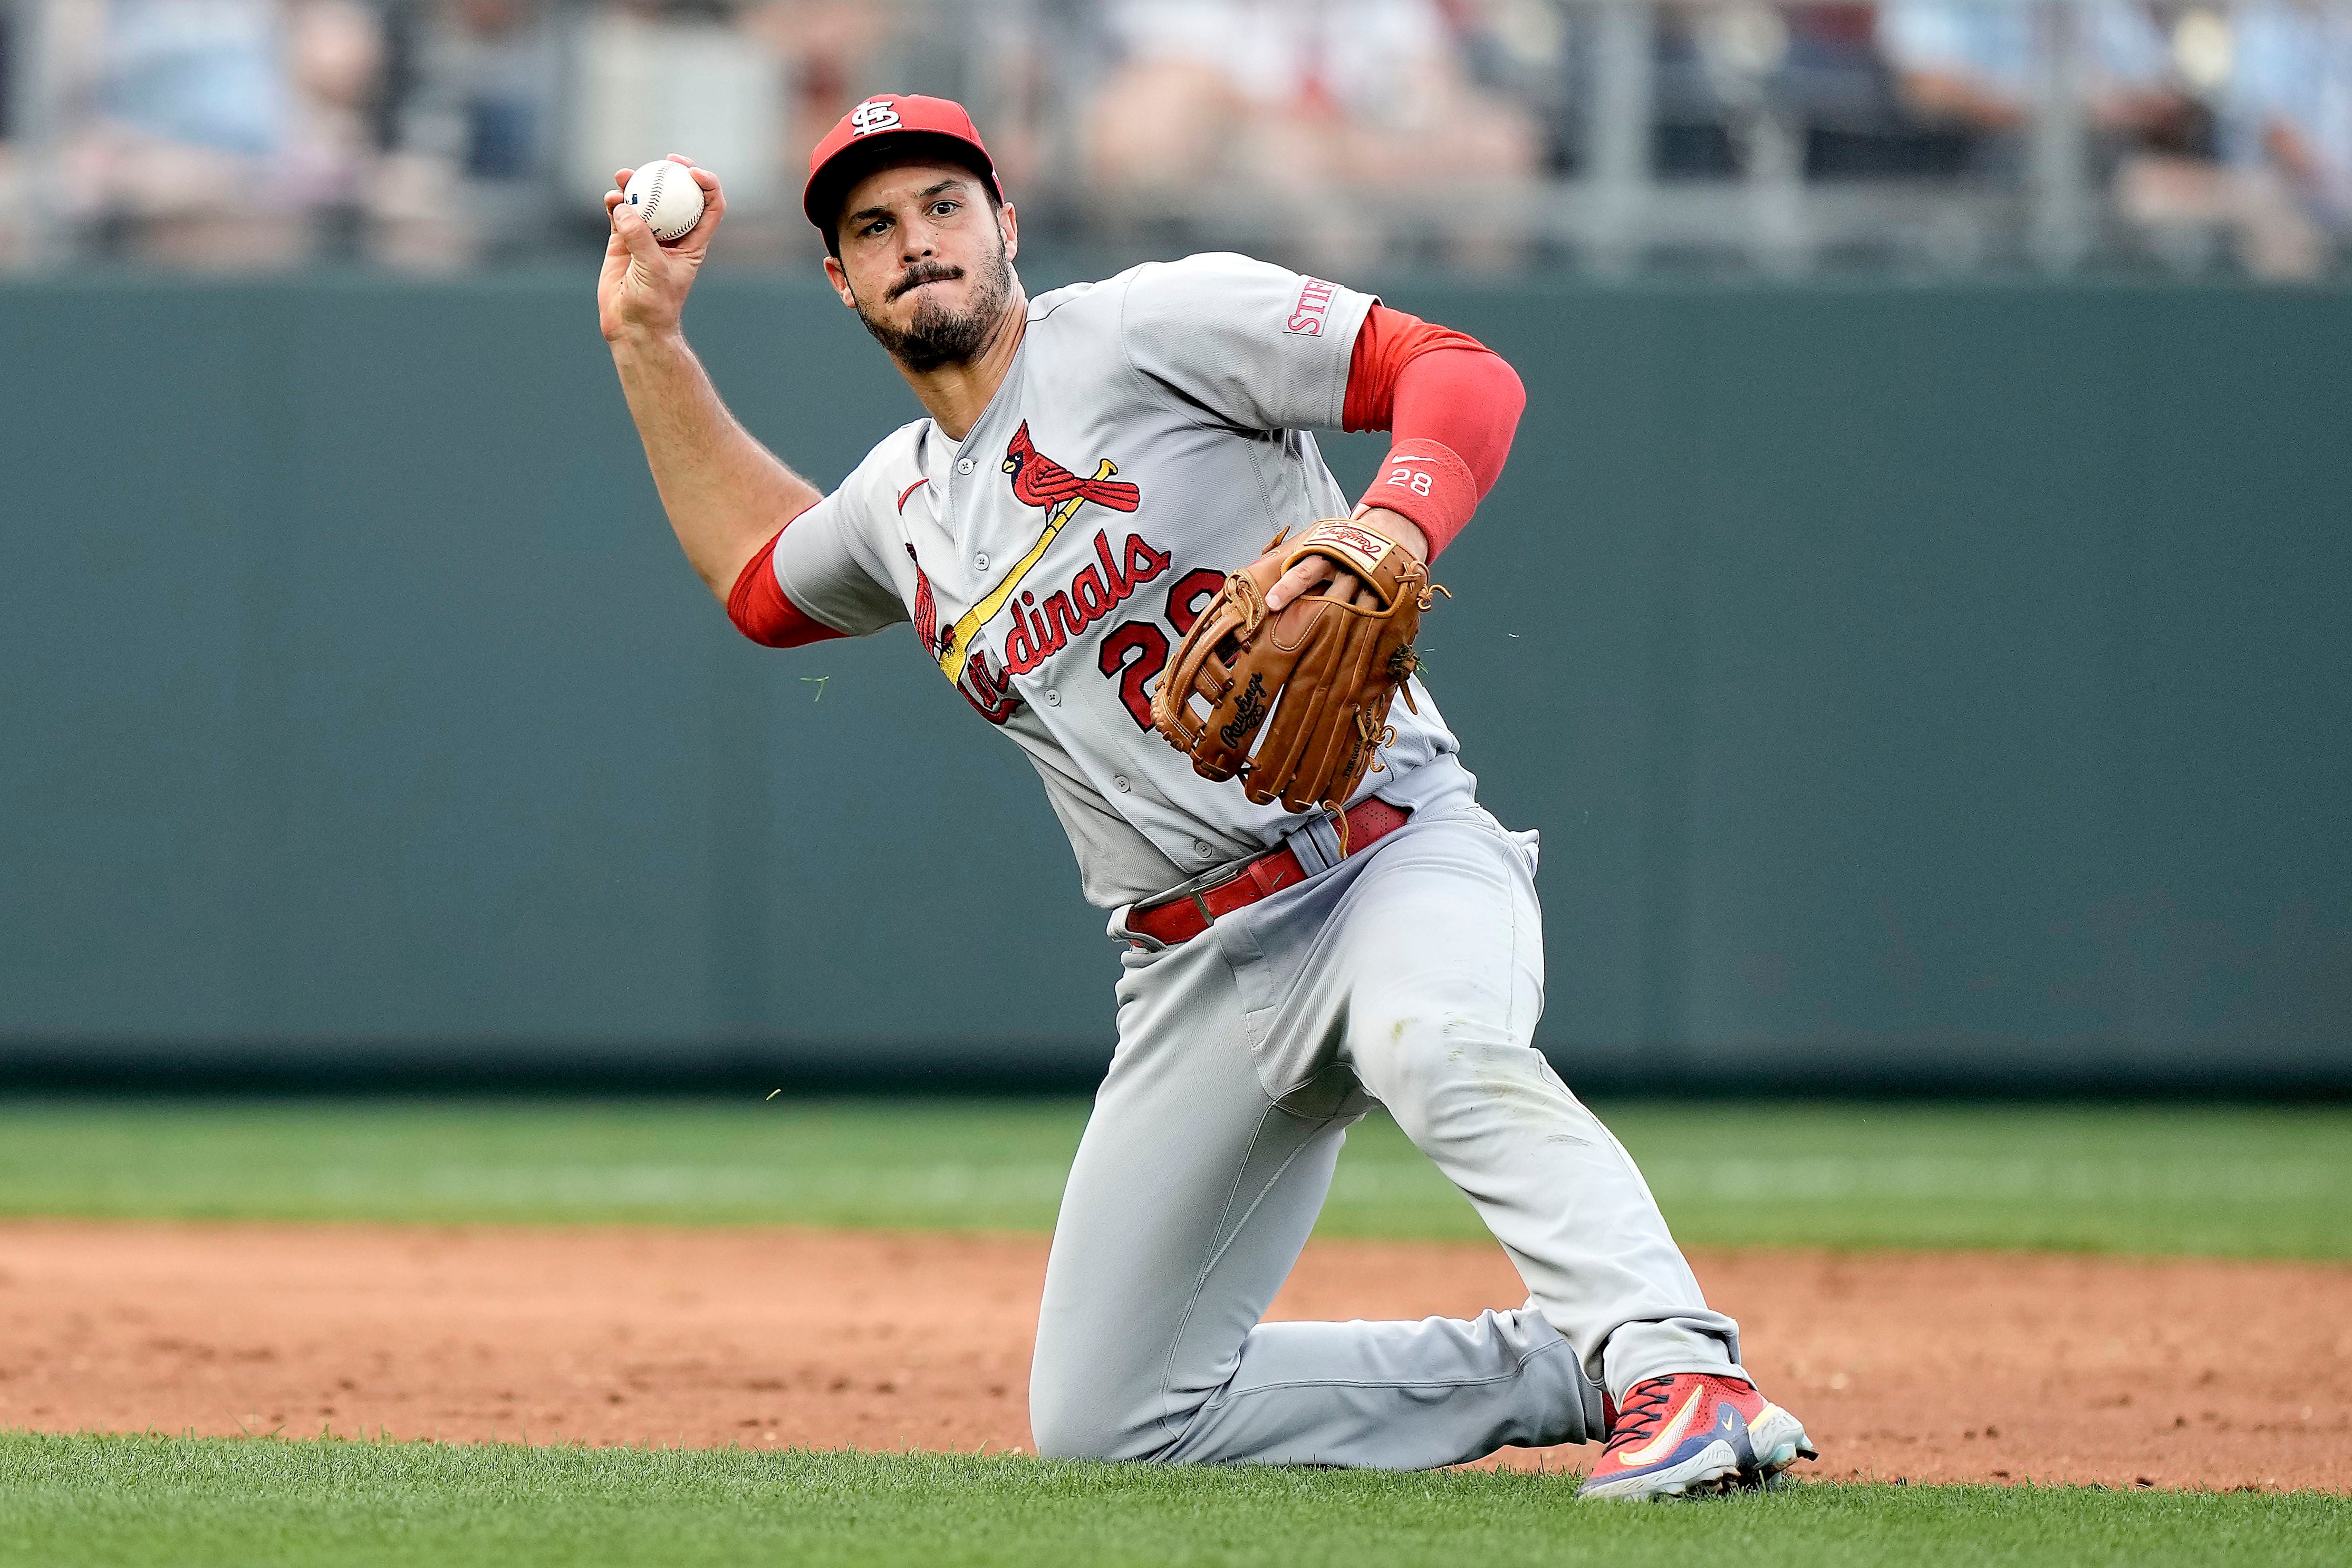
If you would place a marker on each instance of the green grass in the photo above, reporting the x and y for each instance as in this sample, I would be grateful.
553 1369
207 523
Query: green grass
79 1502
2244 1181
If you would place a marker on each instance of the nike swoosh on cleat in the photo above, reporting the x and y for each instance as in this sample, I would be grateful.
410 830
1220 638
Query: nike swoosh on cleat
1664 1443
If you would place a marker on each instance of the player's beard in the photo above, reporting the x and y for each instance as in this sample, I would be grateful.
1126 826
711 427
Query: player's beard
937 335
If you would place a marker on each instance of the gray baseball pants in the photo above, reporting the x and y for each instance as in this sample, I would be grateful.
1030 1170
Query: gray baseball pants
1410 974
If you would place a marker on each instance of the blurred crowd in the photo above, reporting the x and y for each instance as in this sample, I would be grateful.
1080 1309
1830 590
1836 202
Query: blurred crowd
1943 135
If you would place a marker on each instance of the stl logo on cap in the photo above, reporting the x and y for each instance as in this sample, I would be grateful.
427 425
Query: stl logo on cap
875 114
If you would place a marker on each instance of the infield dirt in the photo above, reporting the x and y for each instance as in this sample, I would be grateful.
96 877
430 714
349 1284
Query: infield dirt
1931 1367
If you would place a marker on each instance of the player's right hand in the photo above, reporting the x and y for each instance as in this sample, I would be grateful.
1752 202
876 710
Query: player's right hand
643 288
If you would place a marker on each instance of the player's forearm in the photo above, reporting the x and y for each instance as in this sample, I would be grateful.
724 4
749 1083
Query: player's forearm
726 494
1453 405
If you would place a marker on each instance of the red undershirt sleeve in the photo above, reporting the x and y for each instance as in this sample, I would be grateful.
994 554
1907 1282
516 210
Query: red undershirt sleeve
761 612
1452 404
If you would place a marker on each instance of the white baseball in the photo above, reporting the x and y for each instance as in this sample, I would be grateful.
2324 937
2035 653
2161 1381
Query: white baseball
668 197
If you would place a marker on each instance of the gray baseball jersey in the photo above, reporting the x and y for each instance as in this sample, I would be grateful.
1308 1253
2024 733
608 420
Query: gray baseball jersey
1147 439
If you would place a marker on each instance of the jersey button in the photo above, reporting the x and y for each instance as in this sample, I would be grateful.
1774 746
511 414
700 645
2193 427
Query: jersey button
1118 782
1053 699
980 561
963 465
1200 846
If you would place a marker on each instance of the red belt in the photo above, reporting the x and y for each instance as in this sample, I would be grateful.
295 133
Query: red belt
1185 916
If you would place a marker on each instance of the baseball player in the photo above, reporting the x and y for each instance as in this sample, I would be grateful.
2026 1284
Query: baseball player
1091 469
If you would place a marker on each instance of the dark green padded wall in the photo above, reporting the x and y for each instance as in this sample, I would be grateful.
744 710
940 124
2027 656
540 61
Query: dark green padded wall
1897 677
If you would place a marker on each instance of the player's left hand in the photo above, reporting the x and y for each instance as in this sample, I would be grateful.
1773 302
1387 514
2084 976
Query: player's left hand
1318 571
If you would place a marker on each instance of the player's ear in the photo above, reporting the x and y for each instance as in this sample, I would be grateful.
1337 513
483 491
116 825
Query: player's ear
1008 226
840 281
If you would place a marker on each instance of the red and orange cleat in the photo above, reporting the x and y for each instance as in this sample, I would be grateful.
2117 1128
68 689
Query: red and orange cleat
1688 1434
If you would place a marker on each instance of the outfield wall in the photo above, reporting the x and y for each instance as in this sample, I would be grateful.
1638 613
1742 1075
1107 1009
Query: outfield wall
1906 682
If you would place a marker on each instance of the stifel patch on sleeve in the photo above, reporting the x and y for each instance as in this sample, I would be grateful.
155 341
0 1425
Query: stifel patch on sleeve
1314 303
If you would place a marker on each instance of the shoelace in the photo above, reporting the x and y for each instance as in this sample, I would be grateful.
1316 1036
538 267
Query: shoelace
1640 1412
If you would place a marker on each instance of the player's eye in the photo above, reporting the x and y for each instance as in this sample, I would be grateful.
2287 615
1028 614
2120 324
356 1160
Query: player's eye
942 209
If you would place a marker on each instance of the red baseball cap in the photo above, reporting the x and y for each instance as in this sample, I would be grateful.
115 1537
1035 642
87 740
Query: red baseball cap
890 117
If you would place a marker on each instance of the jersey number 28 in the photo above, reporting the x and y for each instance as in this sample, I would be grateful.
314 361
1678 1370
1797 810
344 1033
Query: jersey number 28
1133 652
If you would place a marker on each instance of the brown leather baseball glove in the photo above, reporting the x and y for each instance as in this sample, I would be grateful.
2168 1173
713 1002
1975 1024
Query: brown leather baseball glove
1297 702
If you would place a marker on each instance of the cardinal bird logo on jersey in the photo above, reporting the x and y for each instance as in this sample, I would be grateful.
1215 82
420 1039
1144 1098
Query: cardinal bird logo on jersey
1039 481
